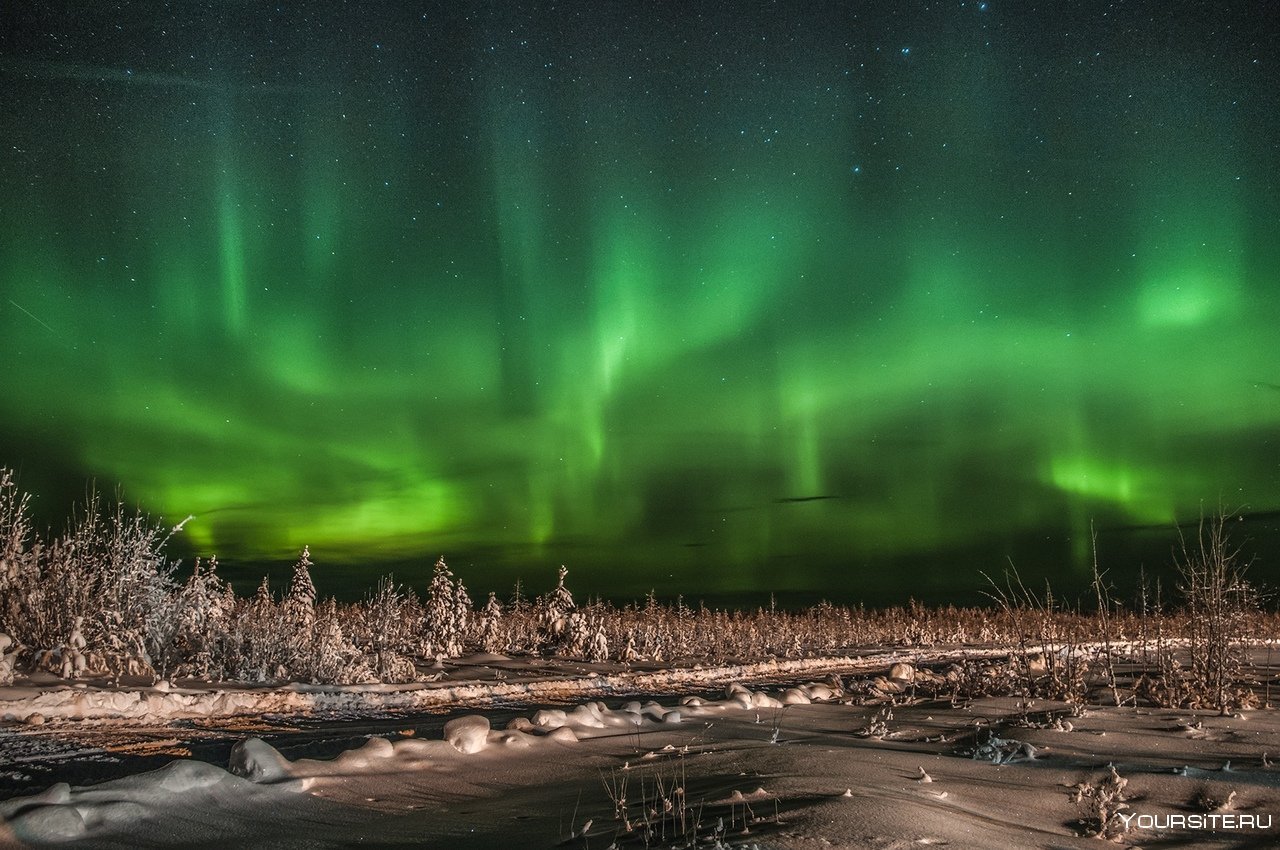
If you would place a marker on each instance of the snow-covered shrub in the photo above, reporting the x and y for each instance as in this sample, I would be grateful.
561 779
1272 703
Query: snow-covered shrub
204 608
261 640
103 582
335 658
1103 801
74 664
387 632
15 535
597 645
6 659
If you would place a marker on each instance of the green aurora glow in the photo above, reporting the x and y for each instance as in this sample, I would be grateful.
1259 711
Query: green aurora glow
632 290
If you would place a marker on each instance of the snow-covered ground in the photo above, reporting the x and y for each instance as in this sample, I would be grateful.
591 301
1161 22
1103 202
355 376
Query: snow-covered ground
800 765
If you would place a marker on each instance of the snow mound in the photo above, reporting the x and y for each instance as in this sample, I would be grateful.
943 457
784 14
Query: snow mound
795 696
256 760
184 775
564 735
468 734
49 823
550 718
371 754
62 813
818 691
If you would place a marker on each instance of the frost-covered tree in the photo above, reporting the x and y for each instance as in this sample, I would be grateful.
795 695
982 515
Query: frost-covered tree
463 615
446 614
490 623
300 601
554 612
597 642
299 612
561 599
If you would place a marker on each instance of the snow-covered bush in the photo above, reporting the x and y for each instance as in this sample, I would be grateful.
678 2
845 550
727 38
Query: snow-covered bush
261 639
74 664
387 632
7 653
15 535
101 593
334 658
204 607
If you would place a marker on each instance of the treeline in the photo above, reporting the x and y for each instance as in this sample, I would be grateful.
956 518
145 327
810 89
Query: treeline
102 600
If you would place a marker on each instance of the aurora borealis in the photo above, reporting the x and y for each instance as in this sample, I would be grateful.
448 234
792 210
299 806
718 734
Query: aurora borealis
709 297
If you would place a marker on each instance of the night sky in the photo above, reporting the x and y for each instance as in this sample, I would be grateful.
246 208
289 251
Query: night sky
707 297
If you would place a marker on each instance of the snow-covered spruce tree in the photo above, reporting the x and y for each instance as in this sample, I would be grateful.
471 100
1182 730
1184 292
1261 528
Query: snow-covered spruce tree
463 617
299 610
520 629
577 635
518 603
491 639
443 618
554 611
300 601
629 652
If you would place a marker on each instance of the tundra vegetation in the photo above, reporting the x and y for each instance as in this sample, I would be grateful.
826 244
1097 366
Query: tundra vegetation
103 601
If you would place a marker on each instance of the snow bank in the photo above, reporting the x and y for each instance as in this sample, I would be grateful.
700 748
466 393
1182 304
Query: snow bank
67 702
